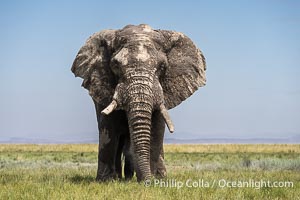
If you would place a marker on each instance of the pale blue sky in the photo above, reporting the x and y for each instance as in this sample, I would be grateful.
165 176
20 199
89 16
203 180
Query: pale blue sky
253 63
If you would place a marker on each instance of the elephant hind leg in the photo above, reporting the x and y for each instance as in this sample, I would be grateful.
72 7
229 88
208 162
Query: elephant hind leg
128 168
129 165
118 160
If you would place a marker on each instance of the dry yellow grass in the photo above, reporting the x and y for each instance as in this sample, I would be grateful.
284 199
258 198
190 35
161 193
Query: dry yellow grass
188 148
50 147
233 148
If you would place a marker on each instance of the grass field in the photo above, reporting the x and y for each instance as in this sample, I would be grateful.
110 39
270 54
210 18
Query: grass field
194 172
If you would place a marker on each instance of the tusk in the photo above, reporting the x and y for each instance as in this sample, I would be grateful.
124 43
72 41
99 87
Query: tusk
166 117
111 107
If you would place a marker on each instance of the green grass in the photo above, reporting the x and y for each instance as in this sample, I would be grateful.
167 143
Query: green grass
68 172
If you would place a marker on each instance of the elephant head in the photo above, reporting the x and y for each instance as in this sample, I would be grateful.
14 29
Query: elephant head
139 70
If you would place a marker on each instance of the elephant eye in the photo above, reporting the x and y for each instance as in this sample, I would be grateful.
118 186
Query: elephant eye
115 67
121 57
161 69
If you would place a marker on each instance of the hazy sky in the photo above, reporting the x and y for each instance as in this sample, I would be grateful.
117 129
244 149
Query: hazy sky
253 65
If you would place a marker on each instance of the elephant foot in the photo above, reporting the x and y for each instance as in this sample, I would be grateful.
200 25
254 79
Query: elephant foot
128 177
104 173
158 169
161 168
128 168
105 178
161 173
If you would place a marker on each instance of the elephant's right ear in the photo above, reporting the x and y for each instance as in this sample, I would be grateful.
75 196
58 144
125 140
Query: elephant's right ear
92 64
186 68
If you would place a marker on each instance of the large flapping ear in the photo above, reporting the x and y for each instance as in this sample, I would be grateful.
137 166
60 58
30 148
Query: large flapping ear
185 71
92 64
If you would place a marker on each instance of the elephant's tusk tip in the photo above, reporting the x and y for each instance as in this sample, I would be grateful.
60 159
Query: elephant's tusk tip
111 107
105 112
171 129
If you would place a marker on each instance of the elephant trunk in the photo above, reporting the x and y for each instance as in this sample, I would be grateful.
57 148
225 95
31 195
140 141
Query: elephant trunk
140 127
139 113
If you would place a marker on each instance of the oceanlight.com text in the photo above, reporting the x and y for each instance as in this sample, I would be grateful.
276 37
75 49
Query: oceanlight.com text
220 183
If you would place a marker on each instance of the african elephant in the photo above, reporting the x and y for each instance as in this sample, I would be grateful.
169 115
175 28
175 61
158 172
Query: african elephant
134 75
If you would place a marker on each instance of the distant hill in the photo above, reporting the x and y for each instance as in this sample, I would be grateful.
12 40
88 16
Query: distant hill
18 140
234 141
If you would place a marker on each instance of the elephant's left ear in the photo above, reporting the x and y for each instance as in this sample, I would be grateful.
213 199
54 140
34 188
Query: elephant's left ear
92 65
185 72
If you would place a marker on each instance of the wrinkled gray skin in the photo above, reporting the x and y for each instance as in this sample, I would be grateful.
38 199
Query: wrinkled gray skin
132 74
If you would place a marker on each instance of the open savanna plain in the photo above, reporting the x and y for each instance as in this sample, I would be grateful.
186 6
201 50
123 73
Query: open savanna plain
212 171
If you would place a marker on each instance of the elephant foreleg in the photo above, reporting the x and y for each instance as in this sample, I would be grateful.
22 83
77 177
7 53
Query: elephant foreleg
156 153
108 143
161 168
